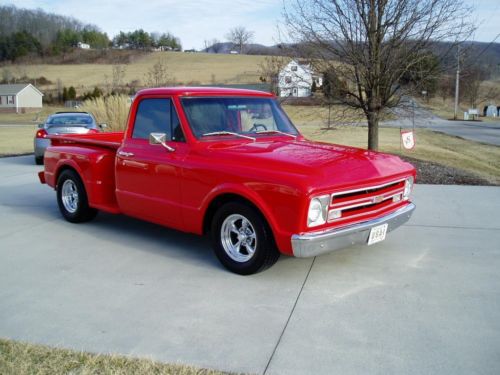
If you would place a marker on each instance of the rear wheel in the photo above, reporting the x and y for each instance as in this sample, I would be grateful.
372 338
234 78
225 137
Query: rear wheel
72 198
242 239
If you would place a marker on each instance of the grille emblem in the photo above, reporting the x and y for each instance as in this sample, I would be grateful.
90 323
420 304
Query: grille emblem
378 199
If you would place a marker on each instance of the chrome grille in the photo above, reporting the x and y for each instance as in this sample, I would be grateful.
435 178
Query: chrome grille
357 202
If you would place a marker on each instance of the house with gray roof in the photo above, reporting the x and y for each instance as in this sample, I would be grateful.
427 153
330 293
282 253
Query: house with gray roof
20 98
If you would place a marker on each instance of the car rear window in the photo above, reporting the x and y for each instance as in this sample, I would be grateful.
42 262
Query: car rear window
70 120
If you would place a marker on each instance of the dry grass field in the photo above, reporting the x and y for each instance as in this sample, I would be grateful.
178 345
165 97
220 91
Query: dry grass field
16 140
26 359
185 68
29 118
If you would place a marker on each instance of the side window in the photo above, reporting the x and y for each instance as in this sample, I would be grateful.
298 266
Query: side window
153 116
157 116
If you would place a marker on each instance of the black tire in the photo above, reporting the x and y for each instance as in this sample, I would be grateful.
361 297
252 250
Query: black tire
265 253
39 160
74 210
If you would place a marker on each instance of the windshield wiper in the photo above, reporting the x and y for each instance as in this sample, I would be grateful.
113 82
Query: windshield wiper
223 132
275 131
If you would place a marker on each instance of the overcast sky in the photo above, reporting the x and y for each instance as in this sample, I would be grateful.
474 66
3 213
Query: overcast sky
195 21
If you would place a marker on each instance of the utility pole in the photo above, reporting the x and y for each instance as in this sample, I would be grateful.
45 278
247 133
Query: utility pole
457 82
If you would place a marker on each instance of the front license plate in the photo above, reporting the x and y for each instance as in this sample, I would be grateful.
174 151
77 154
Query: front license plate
377 234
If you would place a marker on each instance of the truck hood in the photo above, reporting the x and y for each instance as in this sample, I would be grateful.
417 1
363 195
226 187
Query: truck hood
316 165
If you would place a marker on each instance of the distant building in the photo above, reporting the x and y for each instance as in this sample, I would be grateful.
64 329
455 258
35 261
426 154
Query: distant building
83 45
162 48
296 79
491 111
20 98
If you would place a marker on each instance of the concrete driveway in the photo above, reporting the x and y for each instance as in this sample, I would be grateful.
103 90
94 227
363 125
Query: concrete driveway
426 300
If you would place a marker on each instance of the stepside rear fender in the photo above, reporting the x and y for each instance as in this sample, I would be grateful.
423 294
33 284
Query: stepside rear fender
96 167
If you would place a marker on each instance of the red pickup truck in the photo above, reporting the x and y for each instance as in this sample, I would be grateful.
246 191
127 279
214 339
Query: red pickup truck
231 164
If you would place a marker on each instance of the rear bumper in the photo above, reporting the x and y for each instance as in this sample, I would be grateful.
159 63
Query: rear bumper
312 244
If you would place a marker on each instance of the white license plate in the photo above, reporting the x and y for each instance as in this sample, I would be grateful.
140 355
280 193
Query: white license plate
377 234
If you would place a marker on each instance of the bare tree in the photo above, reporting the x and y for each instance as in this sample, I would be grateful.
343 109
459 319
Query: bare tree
213 45
269 71
446 87
157 75
473 87
6 75
239 36
118 75
370 44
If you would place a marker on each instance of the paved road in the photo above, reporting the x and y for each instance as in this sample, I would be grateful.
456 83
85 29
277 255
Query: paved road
485 132
426 300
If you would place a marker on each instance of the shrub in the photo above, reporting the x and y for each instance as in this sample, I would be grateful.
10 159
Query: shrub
112 110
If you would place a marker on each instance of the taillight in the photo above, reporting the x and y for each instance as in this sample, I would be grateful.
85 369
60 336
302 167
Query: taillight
41 133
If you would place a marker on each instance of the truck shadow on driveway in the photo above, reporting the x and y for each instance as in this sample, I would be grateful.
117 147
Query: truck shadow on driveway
139 235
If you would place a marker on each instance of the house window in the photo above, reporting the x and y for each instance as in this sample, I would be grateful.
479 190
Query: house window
288 79
294 68
10 99
1 99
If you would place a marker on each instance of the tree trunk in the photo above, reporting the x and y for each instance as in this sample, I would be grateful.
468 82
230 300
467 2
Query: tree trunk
372 118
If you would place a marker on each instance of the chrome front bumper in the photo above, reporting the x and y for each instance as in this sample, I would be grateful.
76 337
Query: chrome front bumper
312 244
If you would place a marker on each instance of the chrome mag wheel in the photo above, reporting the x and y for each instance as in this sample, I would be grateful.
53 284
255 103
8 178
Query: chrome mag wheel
238 238
69 196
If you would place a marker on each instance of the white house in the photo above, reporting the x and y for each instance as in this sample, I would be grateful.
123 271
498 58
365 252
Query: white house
22 97
83 45
296 79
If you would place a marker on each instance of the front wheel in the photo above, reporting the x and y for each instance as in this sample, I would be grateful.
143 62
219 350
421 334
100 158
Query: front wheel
242 240
72 198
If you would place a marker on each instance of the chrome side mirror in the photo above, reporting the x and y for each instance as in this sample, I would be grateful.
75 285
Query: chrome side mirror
159 139
103 126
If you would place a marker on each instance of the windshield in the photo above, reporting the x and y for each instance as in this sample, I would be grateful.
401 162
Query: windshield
70 120
236 116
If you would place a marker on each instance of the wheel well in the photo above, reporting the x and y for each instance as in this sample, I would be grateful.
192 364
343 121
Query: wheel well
219 201
61 170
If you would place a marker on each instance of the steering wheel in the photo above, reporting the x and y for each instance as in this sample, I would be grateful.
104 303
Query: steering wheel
255 127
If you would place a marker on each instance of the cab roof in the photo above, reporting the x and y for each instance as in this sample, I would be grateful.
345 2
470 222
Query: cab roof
203 91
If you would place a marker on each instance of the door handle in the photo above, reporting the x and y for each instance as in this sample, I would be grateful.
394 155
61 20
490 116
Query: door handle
125 154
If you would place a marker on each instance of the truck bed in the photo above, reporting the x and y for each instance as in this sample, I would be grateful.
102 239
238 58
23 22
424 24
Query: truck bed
111 140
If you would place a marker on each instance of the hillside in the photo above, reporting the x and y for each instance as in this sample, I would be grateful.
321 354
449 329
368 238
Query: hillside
183 68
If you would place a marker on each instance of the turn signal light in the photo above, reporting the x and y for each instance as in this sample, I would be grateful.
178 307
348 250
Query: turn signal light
93 131
41 133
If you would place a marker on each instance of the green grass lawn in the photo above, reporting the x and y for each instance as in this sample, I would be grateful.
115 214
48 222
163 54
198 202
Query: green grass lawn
25 359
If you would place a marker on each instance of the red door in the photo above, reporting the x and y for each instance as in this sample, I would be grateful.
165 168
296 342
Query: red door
149 177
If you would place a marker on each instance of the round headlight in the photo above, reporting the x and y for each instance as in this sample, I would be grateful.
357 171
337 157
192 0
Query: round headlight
314 210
